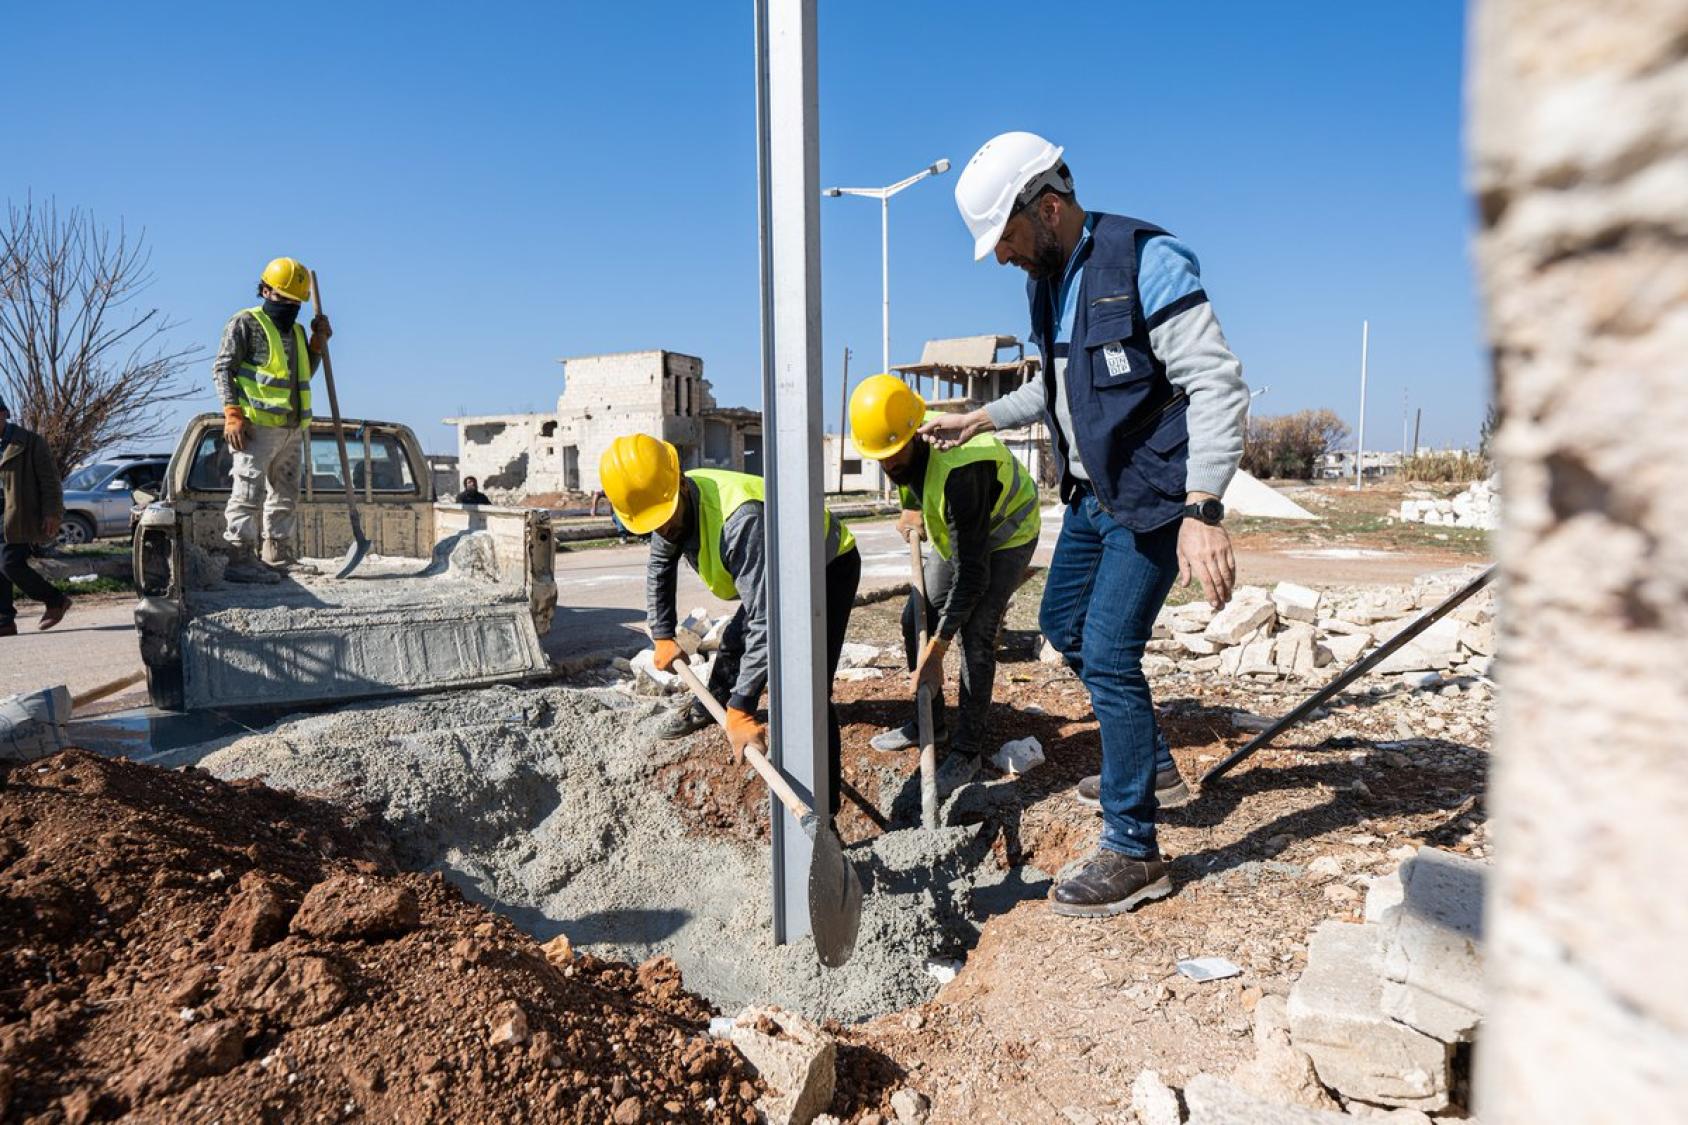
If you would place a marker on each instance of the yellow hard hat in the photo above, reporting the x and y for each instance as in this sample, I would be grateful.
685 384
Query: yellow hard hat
290 278
641 476
884 414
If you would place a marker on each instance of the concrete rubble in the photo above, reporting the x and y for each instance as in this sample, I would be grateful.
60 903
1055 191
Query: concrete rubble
1153 1102
32 724
1293 633
1382 1003
797 1060
1476 507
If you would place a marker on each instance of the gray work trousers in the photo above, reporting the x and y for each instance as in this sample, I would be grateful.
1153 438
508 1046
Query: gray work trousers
266 486
978 638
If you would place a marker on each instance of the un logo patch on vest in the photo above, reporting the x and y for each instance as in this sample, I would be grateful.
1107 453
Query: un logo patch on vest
1118 362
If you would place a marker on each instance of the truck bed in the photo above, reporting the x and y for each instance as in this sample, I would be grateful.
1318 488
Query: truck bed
396 625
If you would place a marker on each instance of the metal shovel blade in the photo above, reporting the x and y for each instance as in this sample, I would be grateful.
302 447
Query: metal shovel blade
356 552
835 896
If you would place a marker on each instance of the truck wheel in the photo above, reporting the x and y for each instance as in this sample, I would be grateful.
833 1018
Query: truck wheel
75 530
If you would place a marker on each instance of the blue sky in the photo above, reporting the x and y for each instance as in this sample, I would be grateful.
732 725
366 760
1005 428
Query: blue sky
486 189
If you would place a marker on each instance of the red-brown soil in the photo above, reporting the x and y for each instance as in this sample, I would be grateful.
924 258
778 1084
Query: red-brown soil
175 948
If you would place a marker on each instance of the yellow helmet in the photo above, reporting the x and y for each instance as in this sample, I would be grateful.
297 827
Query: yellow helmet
641 476
290 278
884 414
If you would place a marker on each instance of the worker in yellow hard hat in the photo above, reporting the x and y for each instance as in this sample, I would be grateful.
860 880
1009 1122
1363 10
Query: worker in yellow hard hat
714 519
978 506
263 376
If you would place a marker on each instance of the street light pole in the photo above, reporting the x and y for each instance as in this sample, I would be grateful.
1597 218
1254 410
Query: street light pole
884 194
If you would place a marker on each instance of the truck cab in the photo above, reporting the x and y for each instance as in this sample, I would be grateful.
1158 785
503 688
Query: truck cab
450 595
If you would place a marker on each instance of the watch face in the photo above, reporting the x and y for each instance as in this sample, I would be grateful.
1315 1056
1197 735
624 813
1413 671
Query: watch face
1212 511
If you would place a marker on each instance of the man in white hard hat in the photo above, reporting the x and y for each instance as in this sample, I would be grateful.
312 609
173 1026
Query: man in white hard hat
1147 408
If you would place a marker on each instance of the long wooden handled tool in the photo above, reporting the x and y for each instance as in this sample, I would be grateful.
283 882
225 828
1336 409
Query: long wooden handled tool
835 891
923 699
360 541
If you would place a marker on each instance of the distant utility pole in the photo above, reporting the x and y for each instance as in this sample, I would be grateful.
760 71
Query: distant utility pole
1360 441
843 417
1406 413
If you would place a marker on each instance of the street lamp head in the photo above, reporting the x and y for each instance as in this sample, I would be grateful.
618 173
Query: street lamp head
941 166
832 192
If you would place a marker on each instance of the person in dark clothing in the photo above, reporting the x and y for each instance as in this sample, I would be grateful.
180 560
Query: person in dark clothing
714 520
979 508
31 507
472 493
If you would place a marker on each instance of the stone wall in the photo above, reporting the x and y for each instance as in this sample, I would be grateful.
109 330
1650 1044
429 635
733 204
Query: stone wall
605 396
510 454
1579 154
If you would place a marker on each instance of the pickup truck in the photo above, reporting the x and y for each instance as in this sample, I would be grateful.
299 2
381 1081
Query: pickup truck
450 594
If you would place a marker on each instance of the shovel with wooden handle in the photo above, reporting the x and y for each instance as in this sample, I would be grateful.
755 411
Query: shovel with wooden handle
835 891
923 699
360 541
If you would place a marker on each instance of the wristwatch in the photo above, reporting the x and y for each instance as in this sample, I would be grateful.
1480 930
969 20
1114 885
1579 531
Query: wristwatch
1208 511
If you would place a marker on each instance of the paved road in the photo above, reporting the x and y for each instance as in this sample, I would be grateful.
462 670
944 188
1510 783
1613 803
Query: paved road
601 603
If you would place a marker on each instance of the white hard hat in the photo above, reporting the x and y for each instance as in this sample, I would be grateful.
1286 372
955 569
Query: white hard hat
997 178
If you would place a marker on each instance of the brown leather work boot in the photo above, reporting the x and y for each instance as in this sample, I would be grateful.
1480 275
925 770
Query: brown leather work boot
1110 883
54 614
278 556
1170 790
244 568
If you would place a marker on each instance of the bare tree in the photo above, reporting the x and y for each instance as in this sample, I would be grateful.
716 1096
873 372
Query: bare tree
83 365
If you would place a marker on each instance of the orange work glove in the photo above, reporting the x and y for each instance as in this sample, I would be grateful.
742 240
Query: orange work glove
743 730
667 652
912 522
235 427
929 669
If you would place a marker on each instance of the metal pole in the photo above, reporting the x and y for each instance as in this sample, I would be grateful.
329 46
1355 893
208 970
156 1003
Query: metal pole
1418 420
843 417
790 164
1360 442
885 283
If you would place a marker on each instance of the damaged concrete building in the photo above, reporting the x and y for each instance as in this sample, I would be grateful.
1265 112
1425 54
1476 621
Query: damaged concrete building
516 456
969 371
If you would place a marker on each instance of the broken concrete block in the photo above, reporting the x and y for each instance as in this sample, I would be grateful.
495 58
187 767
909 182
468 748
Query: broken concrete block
1253 657
1336 1016
1345 648
1383 893
854 655
1296 603
32 725
1214 1101
1154 665
1329 625
691 630
1191 617
1478 638
794 1057
1203 664
1018 756
1196 644
911 1106
1434 650
1280 1071
1239 619
1433 946
647 680
1153 1101
1293 649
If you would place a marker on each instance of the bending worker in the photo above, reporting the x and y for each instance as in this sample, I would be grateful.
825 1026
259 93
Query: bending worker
978 506
1146 407
263 375
714 518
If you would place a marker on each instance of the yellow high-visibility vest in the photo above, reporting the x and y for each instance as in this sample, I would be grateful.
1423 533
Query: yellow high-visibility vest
720 494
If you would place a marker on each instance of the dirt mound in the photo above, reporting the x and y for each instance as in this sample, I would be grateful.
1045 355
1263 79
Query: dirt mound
180 948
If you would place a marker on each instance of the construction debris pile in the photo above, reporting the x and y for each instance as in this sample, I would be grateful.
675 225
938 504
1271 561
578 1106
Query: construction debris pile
1477 507
1295 632
180 949
1377 1027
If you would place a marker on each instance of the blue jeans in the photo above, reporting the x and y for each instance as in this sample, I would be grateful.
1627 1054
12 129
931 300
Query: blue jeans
1105 586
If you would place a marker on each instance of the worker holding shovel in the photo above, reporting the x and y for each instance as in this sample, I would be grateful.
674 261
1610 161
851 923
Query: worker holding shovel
263 376
714 519
978 506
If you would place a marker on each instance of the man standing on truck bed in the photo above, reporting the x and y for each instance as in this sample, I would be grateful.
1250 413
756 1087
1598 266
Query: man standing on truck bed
714 519
263 375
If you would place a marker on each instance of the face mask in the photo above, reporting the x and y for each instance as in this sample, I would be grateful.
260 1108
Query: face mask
906 473
283 313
